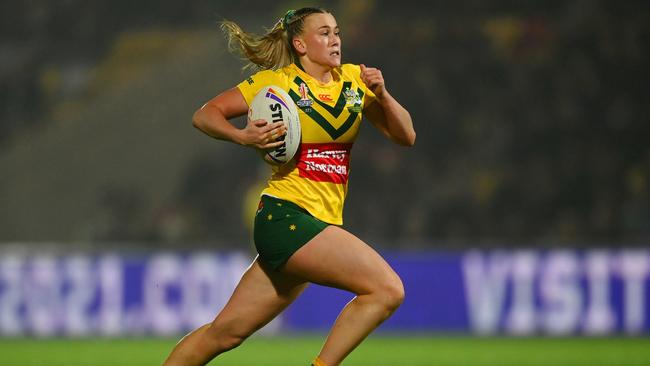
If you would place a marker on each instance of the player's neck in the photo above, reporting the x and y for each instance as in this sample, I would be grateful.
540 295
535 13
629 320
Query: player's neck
322 73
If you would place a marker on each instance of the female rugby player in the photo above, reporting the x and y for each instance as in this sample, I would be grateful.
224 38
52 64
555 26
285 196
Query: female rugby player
297 226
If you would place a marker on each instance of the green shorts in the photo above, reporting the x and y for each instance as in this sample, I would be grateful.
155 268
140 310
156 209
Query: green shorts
281 228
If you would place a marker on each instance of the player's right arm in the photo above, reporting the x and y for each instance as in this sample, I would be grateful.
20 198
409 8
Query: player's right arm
212 119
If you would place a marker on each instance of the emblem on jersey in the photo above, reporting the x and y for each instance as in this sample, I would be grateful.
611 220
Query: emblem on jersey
328 116
304 101
352 100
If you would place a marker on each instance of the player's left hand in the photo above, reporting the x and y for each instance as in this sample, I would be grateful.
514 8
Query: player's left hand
373 79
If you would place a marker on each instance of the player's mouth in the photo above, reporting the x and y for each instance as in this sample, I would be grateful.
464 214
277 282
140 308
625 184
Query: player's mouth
335 53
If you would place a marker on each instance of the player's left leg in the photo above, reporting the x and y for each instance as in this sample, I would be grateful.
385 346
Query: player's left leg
339 259
260 296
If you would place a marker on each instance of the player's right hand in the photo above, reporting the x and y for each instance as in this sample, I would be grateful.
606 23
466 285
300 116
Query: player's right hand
263 135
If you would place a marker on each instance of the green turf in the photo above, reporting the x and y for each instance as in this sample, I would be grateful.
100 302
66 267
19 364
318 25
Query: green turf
376 351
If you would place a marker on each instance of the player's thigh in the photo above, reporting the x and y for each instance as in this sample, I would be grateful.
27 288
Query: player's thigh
260 296
336 258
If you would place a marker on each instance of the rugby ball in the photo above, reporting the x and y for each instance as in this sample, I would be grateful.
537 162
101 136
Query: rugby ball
273 104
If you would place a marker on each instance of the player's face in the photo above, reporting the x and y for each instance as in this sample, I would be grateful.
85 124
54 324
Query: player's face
322 43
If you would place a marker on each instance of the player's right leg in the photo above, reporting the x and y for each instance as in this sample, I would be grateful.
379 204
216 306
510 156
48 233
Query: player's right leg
260 296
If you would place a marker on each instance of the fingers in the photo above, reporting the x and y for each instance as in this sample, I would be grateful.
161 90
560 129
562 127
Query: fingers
272 135
373 79
371 76
273 145
270 144
265 126
273 126
369 71
274 131
260 122
264 135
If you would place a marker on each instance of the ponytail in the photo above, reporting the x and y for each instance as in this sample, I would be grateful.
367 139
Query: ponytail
274 49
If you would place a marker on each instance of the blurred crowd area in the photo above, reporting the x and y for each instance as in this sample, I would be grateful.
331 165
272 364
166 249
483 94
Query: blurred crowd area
529 120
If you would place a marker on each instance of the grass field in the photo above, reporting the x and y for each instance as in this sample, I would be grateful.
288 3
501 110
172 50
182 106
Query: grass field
378 350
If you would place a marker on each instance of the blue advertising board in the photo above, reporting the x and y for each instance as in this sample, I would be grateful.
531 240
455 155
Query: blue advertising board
557 292
523 292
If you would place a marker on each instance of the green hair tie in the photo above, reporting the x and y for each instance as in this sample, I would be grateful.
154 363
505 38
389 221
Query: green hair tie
286 17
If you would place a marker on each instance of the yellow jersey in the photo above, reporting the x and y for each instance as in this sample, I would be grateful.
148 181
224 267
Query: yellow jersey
330 116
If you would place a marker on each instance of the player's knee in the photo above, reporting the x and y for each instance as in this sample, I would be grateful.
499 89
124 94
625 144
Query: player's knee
392 293
231 341
227 337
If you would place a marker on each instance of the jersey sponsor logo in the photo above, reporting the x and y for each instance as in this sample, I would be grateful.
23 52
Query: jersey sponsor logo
325 97
328 162
250 81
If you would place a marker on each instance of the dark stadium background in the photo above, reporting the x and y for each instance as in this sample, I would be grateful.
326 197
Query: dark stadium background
531 119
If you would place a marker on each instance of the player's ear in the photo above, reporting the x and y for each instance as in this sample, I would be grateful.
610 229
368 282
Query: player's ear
299 45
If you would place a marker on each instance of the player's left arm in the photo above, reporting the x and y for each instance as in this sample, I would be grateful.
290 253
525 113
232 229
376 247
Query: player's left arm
386 113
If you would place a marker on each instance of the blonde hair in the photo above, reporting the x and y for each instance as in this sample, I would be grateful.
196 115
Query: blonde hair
274 49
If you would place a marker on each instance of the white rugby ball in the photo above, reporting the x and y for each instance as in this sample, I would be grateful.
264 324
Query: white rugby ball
273 104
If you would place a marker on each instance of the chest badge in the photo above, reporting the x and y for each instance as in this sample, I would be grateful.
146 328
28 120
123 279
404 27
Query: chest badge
304 101
352 100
